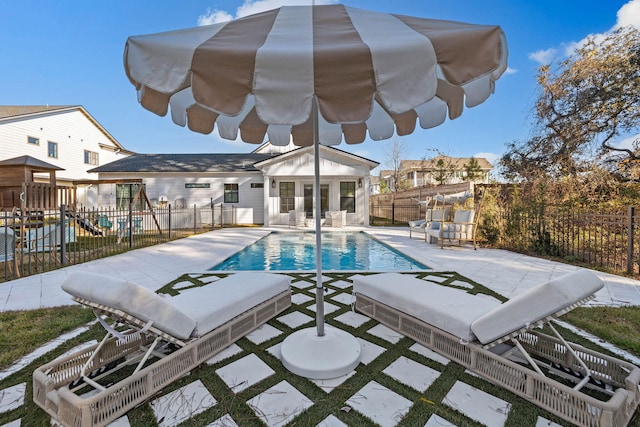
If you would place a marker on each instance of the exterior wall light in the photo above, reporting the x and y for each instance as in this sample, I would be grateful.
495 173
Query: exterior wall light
273 183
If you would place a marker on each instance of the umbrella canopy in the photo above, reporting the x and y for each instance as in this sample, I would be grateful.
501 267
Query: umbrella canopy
368 71
316 74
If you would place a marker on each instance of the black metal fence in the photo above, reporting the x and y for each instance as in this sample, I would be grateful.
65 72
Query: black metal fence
394 213
38 241
604 239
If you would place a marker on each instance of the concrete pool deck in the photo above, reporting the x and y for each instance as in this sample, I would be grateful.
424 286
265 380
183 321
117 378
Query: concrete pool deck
506 273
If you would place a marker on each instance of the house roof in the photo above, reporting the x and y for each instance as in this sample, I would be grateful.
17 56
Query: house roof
31 162
10 112
456 162
205 162
296 152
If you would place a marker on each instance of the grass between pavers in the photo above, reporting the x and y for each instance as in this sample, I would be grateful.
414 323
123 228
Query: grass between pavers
427 403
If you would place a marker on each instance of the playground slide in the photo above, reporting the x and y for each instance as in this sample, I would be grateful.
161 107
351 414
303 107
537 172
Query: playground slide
85 224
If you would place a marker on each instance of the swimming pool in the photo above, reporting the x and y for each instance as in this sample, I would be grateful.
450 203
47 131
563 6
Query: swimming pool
341 251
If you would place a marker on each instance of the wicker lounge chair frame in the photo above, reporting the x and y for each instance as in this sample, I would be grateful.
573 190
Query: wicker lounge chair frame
569 360
55 384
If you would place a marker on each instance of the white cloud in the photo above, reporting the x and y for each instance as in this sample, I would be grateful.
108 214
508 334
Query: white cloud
629 14
628 143
544 57
510 70
213 16
250 7
491 157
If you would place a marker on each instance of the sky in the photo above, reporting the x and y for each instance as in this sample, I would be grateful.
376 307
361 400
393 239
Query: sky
70 53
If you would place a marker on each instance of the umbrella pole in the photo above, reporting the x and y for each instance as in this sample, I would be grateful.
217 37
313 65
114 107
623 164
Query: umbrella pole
319 354
319 287
316 164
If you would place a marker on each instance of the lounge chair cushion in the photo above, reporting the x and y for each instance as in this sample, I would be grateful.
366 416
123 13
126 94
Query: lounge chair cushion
218 302
132 299
452 310
190 314
535 304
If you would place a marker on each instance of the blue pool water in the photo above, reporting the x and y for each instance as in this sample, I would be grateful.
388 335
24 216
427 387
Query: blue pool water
341 251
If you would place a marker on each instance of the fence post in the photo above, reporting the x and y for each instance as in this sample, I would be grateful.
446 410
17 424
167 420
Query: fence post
130 225
393 213
213 221
195 215
169 222
63 233
630 238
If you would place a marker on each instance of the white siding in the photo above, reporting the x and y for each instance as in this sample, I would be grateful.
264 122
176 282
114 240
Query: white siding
70 129
172 187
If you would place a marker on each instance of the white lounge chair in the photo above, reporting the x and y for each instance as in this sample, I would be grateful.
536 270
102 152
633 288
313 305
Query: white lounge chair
433 218
165 339
485 336
463 228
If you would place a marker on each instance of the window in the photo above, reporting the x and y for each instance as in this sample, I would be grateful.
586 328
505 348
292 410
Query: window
90 158
348 196
33 140
287 196
53 149
231 193
125 194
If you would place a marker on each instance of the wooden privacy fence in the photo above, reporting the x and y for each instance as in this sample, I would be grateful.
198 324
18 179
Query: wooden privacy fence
402 206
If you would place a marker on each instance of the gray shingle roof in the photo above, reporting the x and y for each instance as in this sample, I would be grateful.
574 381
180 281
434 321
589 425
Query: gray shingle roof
206 162
22 110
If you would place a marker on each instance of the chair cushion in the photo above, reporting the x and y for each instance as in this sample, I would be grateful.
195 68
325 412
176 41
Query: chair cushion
535 304
420 223
220 301
452 310
437 214
463 215
133 299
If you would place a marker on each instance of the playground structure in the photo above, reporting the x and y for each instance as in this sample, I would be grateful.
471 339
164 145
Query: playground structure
43 217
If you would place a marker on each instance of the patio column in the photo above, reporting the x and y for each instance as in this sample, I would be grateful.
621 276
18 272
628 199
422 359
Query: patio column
365 198
266 190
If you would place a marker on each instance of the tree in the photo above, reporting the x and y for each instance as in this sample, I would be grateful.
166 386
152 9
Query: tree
473 169
443 169
585 103
395 153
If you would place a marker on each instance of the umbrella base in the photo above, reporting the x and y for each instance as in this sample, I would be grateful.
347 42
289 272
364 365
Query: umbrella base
308 355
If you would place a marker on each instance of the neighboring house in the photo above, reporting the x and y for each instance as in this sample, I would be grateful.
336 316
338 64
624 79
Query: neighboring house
262 186
442 170
387 178
374 185
67 137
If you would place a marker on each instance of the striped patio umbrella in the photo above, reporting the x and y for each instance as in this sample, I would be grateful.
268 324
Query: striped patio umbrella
316 75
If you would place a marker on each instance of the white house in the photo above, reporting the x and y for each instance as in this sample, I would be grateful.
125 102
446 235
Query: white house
65 136
262 186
